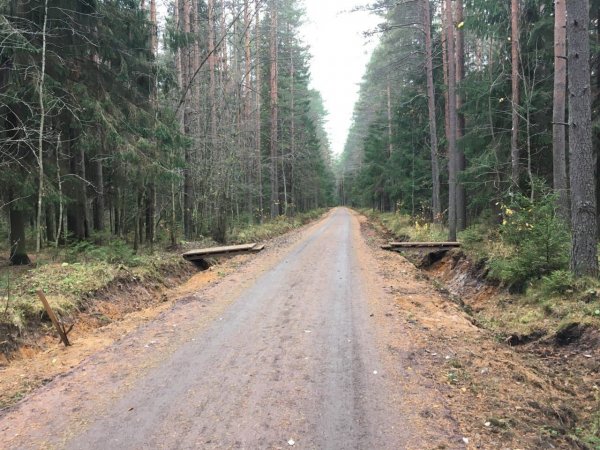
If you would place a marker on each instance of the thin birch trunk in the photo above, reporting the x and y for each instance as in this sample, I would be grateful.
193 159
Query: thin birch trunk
389 117
60 193
452 153
514 140
258 124
40 157
274 113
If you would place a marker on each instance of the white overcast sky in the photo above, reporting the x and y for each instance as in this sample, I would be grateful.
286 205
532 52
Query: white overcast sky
340 55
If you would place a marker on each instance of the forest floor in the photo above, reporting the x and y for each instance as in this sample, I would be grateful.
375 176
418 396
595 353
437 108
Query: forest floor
323 340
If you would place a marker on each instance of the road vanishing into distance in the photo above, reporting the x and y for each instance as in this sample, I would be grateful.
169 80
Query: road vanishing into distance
283 353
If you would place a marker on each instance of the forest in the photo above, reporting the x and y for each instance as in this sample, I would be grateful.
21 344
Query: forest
119 125
477 117
483 116
132 131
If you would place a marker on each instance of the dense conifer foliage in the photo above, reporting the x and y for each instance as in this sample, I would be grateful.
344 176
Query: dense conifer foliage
455 116
117 123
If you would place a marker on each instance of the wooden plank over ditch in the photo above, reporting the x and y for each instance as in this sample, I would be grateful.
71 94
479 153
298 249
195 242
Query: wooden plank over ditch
420 245
213 252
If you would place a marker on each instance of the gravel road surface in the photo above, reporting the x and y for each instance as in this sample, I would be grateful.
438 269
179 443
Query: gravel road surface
291 361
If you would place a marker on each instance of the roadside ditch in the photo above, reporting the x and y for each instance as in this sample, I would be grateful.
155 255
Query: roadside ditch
506 388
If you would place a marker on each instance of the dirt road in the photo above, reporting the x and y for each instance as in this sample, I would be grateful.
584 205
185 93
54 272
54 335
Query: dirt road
289 351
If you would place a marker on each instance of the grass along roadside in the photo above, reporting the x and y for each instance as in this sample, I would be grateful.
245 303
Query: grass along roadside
405 228
73 278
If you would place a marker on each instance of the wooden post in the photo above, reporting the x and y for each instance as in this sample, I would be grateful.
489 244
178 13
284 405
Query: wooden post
61 331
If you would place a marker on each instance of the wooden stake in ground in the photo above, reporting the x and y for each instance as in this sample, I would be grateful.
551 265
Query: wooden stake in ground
59 327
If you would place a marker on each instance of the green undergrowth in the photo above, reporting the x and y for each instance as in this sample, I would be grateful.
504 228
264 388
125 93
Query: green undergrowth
526 255
406 228
538 314
245 234
70 277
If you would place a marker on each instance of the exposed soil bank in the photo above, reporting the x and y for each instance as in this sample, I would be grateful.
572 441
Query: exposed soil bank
124 294
37 356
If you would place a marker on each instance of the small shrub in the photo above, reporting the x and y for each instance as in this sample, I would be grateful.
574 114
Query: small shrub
475 240
114 251
557 283
537 238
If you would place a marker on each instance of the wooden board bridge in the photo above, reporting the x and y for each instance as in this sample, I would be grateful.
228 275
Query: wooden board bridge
200 256
432 246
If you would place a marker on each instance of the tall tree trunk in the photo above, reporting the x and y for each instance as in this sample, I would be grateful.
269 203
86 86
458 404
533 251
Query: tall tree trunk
151 187
77 189
292 126
99 198
87 217
389 116
559 157
141 215
245 121
59 183
18 250
150 209
445 73
224 53
178 59
433 139
180 82
274 113
452 121
584 252
258 130
461 201
515 49
188 195
154 28
211 70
